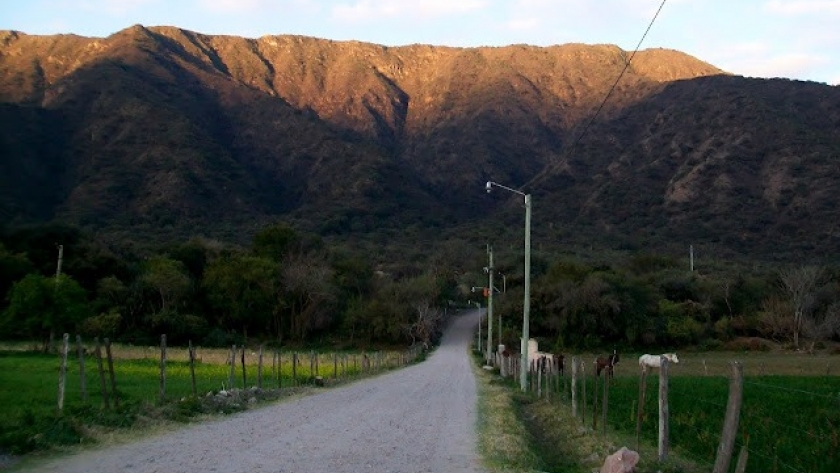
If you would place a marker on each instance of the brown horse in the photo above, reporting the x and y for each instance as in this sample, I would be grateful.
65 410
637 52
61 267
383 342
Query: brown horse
606 364
559 363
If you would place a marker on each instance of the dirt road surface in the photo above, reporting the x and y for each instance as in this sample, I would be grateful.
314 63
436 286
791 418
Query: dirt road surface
417 419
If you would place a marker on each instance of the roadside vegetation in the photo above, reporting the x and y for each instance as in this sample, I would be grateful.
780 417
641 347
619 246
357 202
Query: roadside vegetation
31 422
294 289
789 421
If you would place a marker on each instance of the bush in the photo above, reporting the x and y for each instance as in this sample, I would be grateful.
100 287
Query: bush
749 344
102 325
723 329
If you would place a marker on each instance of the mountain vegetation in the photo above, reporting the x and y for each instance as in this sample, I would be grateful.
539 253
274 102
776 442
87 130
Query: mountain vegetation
295 188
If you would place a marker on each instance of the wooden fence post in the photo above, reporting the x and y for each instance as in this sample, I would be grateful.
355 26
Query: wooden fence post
743 455
192 368
549 379
574 386
311 364
595 379
162 396
583 392
730 422
259 368
232 373
294 368
244 370
102 374
605 402
663 409
62 374
640 413
279 361
111 372
81 353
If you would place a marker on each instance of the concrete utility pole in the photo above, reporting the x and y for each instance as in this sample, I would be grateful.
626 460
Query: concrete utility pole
526 310
499 325
490 307
60 260
691 256
478 307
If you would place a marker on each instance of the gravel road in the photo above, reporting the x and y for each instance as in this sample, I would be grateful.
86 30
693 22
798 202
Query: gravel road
417 419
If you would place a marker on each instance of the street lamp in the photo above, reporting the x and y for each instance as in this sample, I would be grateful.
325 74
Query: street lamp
523 368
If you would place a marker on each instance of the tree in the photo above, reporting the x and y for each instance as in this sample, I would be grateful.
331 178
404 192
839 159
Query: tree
243 289
275 242
40 307
168 279
426 324
13 267
307 282
800 285
111 294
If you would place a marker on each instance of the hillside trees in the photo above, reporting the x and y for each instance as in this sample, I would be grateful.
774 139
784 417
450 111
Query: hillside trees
578 305
289 287
646 300
243 289
40 306
800 285
13 267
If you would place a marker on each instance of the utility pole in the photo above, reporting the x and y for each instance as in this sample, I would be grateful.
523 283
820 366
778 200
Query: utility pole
60 260
478 306
51 346
499 326
526 310
691 256
490 307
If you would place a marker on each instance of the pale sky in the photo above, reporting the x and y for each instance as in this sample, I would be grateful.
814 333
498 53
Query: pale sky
798 39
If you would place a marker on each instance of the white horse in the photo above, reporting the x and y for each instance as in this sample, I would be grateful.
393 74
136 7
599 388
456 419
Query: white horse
654 361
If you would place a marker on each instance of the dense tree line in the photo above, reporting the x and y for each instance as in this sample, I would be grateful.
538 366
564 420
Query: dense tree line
655 301
286 287
290 287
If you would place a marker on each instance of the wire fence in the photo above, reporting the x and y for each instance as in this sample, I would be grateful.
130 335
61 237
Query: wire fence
787 420
100 373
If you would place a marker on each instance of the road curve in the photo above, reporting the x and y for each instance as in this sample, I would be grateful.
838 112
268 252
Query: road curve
418 419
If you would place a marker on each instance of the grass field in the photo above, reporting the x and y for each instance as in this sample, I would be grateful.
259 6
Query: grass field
790 419
29 417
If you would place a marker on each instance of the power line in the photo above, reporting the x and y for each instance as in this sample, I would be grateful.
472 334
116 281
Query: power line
603 102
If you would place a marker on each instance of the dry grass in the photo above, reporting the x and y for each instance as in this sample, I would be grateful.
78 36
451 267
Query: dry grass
502 436
756 363
214 356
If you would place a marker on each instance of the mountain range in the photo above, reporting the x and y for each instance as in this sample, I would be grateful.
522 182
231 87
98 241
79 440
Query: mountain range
164 132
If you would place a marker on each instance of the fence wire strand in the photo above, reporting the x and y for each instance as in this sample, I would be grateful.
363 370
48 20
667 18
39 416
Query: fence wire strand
791 390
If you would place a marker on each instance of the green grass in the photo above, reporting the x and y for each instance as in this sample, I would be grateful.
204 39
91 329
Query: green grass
790 418
29 415
788 423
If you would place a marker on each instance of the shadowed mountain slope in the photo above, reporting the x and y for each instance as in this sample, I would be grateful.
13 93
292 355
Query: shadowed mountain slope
166 131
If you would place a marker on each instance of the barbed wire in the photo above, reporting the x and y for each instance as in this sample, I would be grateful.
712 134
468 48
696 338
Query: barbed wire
754 416
769 458
793 390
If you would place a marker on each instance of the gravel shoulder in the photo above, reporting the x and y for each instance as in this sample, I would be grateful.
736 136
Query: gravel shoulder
418 419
